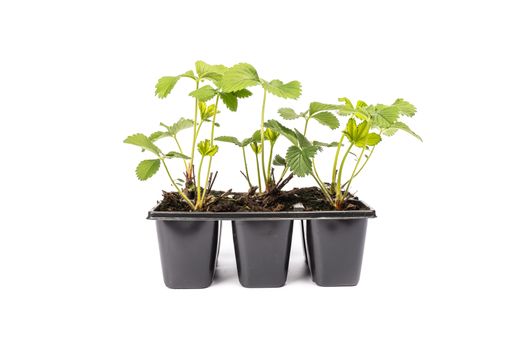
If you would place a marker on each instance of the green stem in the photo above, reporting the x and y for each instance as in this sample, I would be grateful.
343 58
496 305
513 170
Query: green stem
199 201
177 187
246 167
262 136
211 143
354 172
340 174
320 183
180 150
334 169
306 126
270 163
258 171
317 179
195 132
283 173
366 160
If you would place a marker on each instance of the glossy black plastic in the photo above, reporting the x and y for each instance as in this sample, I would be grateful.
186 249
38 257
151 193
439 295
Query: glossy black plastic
335 251
262 252
188 252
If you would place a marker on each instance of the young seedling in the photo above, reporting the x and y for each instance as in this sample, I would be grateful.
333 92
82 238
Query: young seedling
244 75
383 118
193 193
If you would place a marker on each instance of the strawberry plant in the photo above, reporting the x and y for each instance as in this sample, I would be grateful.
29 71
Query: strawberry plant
244 75
358 132
191 190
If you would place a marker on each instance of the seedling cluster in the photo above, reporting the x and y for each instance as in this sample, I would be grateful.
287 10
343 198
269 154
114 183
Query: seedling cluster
363 127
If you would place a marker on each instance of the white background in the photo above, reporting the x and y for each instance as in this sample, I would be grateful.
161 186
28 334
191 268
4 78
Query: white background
79 264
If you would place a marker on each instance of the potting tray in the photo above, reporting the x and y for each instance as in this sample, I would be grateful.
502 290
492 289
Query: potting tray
297 214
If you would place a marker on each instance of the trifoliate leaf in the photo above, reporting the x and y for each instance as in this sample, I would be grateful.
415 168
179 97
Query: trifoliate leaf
327 118
174 154
204 93
279 161
318 107
288 113
181 124
230 139
300 159
144 142
405 107
244 93
239 77
230 100
291 89
165 85
206 149
400 126
283 130
147 168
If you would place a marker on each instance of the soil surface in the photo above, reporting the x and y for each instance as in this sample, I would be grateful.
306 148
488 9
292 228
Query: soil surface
310 197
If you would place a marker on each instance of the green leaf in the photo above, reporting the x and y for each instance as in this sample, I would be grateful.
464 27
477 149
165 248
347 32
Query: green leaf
244 93
400 126
288 113
246 142
271 135
209 71
346 101
144 142
283 130
384 116
188 74
256 136
157 135
327 118
279 161
174 154
256 148
147 168
301 139
405 107
360 104
206 149
239 77
181 124
324 144
229 139
370 139
318 107
230 100
204 93
300 159
291 89
165 85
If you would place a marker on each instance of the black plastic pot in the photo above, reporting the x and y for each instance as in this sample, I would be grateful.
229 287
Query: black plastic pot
335 250
188 252
333 244
262 252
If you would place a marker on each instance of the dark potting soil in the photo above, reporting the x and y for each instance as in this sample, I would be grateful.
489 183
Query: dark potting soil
311 198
